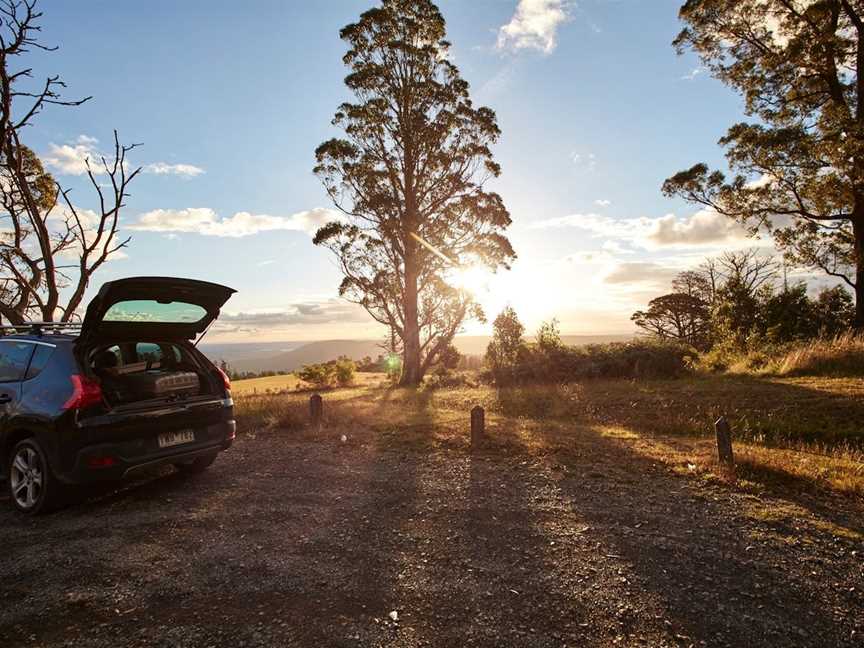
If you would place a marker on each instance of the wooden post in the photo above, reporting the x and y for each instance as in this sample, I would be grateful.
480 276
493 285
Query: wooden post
316 410
724 442
478 426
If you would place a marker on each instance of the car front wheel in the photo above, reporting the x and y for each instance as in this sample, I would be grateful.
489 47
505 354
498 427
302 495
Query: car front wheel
32 487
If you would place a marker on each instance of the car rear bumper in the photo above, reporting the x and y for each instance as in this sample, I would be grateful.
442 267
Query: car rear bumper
119 459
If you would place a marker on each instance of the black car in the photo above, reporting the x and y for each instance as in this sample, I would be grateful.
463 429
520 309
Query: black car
126 391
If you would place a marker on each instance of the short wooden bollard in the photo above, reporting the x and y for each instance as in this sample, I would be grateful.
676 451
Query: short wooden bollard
478 426
316 410
724 442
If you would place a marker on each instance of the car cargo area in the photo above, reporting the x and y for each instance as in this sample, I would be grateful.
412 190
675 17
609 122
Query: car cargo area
140 372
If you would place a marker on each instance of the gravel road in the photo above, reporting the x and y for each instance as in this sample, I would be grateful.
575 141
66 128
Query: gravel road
313 542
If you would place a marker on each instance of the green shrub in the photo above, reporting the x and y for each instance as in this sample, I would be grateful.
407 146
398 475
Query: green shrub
642 358
318 375
344 371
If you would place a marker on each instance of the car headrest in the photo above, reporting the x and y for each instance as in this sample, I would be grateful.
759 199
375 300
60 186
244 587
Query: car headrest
105 360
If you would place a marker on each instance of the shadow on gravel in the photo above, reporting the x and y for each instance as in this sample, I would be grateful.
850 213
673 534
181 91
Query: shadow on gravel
719 585
490 576
761 410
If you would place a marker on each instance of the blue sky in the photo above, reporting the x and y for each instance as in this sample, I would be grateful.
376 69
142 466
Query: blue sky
230 100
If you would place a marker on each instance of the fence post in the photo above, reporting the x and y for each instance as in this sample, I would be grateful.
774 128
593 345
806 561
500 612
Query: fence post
724 442
478 426
316 410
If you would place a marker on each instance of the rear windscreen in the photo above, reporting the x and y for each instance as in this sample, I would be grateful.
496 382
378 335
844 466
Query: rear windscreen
147 310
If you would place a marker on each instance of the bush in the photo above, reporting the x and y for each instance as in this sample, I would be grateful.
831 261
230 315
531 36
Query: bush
318 375
642 358
344 371
506 346
340 372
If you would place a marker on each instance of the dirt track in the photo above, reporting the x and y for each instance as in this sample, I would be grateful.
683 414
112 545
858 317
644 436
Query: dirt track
316 542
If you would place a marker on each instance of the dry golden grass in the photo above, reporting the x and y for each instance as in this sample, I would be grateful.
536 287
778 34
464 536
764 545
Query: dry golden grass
789 433
842 356
271 384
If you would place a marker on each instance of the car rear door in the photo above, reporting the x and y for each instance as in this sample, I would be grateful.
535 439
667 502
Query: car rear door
165 308
15 357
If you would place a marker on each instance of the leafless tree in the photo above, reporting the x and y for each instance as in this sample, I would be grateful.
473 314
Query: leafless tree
42 228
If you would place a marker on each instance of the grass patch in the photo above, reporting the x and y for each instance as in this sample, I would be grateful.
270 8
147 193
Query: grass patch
290 382
790 434
842 356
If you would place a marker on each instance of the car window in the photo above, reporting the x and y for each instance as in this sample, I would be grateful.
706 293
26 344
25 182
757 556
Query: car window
14 358
41 355
147 310
148 352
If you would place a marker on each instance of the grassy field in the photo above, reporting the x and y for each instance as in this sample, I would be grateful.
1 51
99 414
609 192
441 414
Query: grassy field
290 382
788 433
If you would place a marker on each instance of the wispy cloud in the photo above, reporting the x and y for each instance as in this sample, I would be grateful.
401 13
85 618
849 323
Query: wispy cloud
641 272
705 228
205 221
163 168
534 25
602 202
692 74
71 159
307 311
587 161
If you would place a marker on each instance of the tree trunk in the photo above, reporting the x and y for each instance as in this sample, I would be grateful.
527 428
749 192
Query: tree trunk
412 372
858 233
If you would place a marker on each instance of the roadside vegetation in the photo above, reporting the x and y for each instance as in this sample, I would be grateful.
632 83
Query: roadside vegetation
791 434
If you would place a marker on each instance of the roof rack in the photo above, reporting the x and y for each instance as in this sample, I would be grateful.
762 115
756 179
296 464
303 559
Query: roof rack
38 328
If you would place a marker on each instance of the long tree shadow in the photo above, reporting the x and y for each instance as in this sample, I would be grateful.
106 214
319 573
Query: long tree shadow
762 412
485 573
724 579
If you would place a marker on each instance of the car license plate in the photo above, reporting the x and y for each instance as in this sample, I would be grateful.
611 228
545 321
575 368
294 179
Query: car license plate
180 437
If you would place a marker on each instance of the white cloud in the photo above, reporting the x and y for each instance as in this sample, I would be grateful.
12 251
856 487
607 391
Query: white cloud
586 161
308 311
90 222
602 202
615 248
71 158
266 262
205 221
163 168
692 74
534 25
651 274
705 228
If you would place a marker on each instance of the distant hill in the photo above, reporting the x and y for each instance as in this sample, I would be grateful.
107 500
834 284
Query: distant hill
309 353
277 359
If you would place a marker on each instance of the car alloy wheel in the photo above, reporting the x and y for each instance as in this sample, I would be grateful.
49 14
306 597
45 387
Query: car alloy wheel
27 477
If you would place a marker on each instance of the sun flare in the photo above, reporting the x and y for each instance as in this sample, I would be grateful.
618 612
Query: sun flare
474 280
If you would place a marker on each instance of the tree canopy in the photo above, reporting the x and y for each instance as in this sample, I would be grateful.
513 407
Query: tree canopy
798 165
408 177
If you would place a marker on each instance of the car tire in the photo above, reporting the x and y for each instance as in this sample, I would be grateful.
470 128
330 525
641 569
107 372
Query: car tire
197 465
32 486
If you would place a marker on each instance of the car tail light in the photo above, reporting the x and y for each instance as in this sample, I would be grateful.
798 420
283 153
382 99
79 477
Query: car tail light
225 379
85 392
101 462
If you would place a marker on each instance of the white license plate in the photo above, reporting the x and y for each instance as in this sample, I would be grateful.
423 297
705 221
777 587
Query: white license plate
180 437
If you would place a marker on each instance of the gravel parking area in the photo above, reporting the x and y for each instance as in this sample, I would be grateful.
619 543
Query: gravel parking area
315 542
